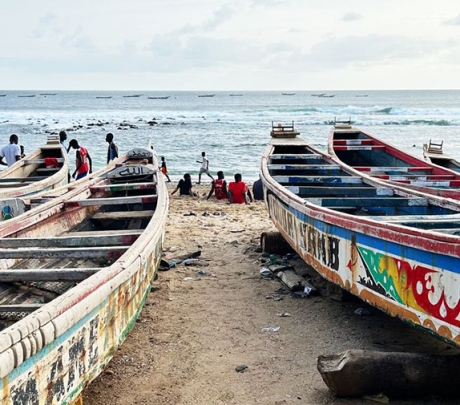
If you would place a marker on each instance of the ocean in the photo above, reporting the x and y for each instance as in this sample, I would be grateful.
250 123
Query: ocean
233 128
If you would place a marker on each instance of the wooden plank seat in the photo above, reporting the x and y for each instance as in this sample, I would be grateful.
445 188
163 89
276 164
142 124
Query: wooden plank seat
284 156
353 141
330 180
20 307
113 200
393 168
418 219
73 240
26 275
414 176
359 147
439 183
40 161
369 201
339 191
124 187
123 215
47 169
303 167
23 179
108 232
15 184
74 252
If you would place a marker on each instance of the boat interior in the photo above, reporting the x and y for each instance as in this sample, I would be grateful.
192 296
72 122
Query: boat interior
320 181
356 149
37 166
91 231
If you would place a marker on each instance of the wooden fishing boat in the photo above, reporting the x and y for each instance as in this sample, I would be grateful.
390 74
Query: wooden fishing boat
159 98
75 273
434 153
396 249
367 155
42 170
206 95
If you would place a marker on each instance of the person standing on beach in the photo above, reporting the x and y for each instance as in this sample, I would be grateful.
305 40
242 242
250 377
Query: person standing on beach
112 152
204 167
219 187
237 191
11 152
81 162
185 186
164 169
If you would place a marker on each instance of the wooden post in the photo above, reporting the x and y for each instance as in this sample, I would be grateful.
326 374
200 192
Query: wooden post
273 242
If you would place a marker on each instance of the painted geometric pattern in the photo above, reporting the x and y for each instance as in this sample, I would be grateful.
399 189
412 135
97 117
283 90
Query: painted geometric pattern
432 291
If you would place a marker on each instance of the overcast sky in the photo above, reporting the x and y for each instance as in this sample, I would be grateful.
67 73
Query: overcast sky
229 45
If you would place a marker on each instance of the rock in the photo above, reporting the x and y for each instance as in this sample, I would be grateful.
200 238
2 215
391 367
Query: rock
241 368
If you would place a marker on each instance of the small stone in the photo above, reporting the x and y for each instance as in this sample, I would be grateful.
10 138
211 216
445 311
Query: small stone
109 372
241 368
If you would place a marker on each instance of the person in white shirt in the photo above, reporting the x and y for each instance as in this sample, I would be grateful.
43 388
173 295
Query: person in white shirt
204 167
11 153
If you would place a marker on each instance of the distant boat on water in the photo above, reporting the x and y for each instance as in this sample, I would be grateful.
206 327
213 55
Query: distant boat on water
103 96
206 95
48 94
361 95
133 95
30 95
288 94
159 98
318 94
327 96
2 95
235 95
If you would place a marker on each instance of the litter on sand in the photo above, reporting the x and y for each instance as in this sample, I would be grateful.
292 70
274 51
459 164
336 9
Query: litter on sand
270 329
284 315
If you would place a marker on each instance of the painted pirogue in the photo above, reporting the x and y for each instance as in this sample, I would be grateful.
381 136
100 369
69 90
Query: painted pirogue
44 169
397 249
367 155
74 275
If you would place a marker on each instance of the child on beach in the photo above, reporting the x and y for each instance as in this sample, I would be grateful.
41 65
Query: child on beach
164 169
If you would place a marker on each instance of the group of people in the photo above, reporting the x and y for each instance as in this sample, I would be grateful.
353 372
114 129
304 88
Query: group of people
236 192
83 161
12 152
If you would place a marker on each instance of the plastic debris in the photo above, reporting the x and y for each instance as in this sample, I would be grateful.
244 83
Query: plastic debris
202 273
188 278
284 315
264 272
188 261
362 312
270 329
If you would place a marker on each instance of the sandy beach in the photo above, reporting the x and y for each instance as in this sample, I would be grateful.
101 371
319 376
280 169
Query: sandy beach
196 329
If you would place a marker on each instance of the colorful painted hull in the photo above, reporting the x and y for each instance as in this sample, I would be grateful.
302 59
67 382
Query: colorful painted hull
396 250
367 155
86 237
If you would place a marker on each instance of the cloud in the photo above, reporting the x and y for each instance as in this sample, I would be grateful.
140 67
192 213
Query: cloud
453 21
218 17
47 25
78 41
351 16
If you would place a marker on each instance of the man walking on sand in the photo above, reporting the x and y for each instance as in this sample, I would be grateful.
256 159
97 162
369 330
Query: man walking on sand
204 167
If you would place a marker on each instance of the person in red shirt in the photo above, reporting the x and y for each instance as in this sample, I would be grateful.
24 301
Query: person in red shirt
81 161
219 187
237 191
